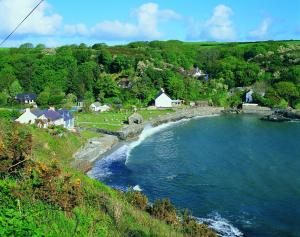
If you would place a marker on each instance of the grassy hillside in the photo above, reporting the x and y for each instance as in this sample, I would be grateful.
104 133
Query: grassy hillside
42 195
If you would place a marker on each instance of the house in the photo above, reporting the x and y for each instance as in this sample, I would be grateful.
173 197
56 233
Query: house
28 98
104 108
97 107
162 100
44 118
67 118
249 98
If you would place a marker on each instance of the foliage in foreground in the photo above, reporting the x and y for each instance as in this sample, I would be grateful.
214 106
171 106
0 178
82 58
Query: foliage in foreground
46 197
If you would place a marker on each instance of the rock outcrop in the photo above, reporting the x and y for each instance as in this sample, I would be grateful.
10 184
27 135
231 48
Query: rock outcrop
282 116
135 118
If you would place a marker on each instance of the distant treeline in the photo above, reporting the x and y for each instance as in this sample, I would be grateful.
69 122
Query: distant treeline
132 74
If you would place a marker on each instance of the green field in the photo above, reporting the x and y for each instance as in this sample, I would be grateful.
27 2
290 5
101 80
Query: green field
113 121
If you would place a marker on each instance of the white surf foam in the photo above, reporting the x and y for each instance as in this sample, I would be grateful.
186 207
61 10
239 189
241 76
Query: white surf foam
221 225
137 188
150 130
102 167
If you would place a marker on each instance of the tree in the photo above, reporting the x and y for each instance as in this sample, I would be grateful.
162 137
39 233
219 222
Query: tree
106 87
43 98
14 89
176 87
3 98
7 76
287 90
105 58
26 46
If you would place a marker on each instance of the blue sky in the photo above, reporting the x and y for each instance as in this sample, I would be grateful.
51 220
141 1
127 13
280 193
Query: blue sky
58 22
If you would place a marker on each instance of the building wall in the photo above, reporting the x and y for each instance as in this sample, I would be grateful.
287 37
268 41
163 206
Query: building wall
27 118
163 101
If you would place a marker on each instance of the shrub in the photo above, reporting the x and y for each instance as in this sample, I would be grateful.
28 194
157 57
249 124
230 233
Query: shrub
51 186
15 148
191 227
137 199
283 104
164 210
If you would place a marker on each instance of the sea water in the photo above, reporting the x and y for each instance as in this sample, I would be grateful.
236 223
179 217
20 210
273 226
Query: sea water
238 174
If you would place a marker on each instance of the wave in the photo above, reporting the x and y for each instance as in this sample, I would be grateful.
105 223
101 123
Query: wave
221 225
137 188
102 167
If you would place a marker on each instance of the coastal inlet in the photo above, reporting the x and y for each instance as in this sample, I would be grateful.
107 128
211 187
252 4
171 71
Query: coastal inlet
235 172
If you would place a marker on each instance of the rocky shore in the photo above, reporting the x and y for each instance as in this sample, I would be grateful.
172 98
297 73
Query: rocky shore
97 147
282 116
92 150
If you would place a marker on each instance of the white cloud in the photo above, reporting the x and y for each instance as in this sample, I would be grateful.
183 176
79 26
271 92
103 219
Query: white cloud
218 27
147 17
262 31
41 22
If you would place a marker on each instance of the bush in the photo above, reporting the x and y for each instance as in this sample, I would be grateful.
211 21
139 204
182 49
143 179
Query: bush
137 199
191 227
8 115
15 148
283 104
51 186
164 210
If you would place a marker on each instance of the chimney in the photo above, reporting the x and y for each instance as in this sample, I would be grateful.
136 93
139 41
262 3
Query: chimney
162 90
52 108
27 110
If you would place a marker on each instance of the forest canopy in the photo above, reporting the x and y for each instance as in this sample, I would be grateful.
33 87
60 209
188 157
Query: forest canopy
132 74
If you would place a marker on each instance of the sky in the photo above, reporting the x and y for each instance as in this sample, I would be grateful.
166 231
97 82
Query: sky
57 22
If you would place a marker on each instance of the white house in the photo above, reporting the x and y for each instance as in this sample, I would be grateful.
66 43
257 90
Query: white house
44 118
97 107
104 108
27 117
162 100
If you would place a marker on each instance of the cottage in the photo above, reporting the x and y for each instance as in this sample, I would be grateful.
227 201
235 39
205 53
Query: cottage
28 98
97 107
67 118
162 100
44 118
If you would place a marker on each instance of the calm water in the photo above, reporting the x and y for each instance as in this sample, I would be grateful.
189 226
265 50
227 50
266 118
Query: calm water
239 174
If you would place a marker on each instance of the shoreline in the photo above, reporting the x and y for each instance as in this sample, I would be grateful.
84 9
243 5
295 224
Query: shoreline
98 148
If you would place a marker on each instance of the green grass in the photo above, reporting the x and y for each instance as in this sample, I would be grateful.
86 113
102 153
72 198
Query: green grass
111 120
102 212
86 134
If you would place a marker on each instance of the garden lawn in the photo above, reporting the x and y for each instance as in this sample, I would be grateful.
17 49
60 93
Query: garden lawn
113 120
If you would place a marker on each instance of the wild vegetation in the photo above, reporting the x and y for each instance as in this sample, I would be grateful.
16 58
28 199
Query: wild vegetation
42 195
132 74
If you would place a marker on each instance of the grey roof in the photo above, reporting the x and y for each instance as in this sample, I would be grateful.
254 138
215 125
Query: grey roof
26 96
37 112
65 114
53 115
160 93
